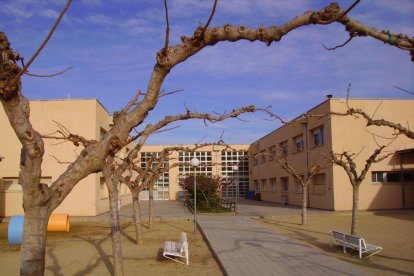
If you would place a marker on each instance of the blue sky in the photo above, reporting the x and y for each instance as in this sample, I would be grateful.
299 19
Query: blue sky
112 45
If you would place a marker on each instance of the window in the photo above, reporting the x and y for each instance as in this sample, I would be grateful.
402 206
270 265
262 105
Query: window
273 184
299 145
256 186
262 157
272 150
161 185
318 137
284 147
284 184
254 160
377 176
205 163
392 177
263 185
299 187
319 184
241 176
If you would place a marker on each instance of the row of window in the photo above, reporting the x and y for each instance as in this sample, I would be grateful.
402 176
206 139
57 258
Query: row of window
392 177
298 143
241 176
318 185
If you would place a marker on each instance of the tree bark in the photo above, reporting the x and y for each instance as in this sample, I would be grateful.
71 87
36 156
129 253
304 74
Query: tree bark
151 207
137 216
33 247
112 183
304 203
355 204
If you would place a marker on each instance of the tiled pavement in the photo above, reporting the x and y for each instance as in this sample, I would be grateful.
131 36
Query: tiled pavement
244 247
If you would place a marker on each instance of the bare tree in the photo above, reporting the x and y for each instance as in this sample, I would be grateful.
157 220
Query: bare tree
113 173
346 161
303 178
39 200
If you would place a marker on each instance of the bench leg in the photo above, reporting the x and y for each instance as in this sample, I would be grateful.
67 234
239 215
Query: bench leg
374 252
176 259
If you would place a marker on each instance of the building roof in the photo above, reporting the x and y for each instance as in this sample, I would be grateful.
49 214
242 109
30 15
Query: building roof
69 99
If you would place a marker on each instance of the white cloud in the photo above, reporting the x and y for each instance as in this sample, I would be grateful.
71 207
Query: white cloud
100 19
49 13
16 9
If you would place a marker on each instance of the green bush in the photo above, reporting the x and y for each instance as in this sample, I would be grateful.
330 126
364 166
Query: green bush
208 193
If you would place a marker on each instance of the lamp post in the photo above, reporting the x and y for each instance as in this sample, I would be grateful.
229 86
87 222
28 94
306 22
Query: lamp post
235 169
195 162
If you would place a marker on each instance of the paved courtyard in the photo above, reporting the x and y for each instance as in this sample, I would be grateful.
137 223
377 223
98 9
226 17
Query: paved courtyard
244 247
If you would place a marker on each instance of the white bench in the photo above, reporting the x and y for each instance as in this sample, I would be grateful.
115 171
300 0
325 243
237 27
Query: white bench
177 250
354 242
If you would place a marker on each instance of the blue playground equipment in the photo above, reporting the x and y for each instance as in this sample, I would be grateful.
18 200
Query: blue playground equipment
15 230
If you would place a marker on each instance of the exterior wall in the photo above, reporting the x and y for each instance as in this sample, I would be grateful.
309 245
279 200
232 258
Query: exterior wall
83 117
266 170
88 118
340 134
351 134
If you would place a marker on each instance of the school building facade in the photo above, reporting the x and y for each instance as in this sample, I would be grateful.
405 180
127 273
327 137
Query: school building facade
90 119
310 138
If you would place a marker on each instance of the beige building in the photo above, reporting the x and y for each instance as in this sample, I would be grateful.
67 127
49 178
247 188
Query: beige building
311 137
87 117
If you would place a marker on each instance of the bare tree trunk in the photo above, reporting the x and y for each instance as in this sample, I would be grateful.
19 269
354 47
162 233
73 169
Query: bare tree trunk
355 203
137 216
304 203
151 206
116 232
33 248
112 182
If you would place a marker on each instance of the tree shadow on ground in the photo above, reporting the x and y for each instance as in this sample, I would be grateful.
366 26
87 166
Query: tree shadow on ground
105 258
55 268
336 251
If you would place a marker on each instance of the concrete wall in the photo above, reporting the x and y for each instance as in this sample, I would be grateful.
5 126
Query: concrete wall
268 170
351 134
83 117
340 134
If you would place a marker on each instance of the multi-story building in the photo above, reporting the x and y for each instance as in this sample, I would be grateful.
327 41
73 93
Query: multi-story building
87 117
310 138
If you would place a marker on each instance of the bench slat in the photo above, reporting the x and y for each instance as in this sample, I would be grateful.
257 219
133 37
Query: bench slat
354 242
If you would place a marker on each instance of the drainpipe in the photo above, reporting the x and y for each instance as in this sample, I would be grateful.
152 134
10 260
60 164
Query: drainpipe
402 179
258 166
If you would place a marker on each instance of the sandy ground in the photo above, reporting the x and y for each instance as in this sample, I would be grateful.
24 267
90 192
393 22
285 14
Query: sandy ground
393 231
86 250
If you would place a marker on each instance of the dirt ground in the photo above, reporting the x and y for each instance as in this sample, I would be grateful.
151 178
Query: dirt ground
393 231
86 250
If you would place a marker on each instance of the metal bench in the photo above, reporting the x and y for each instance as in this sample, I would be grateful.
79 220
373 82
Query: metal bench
177 250
353 242
229 204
